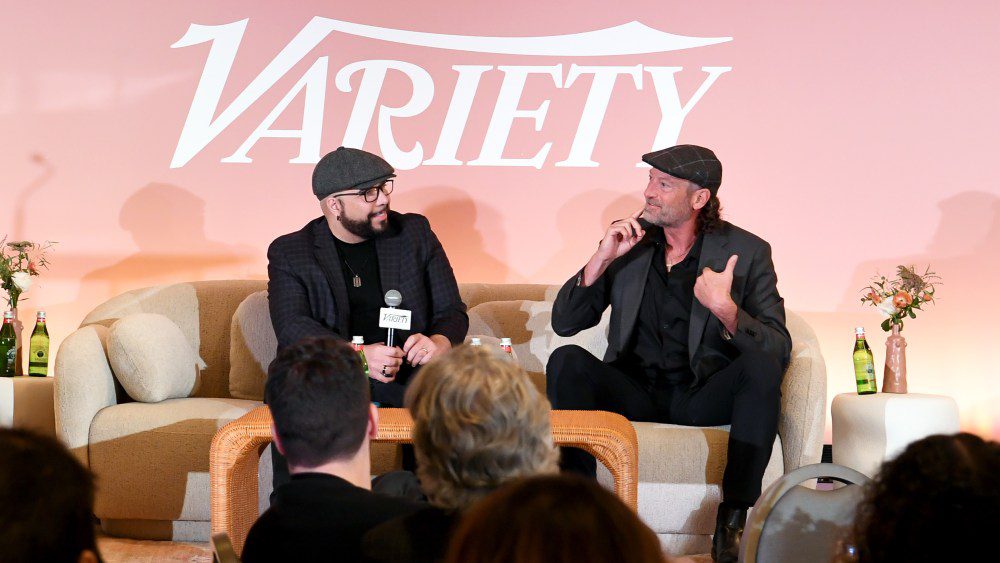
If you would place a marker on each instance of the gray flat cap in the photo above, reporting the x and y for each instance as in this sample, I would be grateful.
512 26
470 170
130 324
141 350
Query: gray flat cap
688 162
349 169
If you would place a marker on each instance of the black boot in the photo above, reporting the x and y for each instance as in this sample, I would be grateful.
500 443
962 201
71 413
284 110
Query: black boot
728 531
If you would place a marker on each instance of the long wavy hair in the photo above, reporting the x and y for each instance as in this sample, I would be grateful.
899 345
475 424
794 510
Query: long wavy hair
936 500
478 422
710 216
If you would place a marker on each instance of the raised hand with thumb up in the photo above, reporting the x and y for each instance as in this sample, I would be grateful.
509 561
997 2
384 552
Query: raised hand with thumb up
713 290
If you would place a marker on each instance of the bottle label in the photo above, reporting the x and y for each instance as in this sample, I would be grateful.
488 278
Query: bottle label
11 360
39 356
864 373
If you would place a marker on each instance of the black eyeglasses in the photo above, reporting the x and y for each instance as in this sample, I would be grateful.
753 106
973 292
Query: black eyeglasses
371 194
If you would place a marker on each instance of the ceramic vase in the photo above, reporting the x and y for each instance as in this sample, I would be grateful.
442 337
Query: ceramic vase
894 376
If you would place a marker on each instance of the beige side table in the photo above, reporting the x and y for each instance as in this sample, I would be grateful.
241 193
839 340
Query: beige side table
869 429
26 402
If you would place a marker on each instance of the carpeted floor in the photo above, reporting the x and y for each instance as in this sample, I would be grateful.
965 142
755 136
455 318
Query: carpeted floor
115 550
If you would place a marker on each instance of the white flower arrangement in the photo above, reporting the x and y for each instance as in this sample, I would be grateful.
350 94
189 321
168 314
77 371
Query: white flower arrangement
19 262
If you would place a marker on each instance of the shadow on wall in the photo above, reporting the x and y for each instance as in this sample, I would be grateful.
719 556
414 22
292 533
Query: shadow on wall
585 215
47 170
459 222
949 343
167 223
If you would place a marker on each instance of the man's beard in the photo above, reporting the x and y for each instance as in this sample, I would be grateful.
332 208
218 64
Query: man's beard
663 217
363 227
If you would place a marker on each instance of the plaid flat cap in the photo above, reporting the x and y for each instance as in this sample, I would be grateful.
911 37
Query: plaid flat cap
688 162
349 169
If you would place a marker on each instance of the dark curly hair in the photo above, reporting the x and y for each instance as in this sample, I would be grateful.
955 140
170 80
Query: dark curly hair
939 498
710 216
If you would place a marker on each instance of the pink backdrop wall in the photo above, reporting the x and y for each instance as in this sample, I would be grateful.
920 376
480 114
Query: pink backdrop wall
855 136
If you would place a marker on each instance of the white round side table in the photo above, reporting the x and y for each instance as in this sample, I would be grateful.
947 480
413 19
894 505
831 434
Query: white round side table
869 429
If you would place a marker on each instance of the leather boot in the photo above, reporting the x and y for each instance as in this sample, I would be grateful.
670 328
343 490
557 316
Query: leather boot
728 531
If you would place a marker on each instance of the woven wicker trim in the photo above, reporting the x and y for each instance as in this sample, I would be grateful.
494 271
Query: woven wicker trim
237 447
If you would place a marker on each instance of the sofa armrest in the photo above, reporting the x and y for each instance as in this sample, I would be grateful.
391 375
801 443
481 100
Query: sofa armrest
84 385
803 398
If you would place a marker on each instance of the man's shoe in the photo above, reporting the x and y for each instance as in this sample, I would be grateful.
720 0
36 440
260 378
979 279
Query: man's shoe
728 531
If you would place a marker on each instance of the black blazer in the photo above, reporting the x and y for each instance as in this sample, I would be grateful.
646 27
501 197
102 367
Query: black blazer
307 294
761 317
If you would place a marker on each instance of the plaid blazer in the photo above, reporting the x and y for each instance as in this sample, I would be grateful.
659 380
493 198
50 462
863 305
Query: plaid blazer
307 294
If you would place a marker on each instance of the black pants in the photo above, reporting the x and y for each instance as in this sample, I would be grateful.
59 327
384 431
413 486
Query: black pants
745 394
386 395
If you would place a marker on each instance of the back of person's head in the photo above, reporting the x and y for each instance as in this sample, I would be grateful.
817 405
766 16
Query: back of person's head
46 501
553 519
938 498
319 399
478 422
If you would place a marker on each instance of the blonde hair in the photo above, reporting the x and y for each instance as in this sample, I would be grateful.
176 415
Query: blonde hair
478 422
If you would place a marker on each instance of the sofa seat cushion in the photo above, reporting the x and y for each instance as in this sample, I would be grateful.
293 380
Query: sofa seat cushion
529 326
680 475
151 459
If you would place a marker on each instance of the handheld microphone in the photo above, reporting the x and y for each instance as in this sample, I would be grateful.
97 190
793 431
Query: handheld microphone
392 299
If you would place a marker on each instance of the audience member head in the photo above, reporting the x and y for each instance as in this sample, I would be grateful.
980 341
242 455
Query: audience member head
46 501
478 422
553 519
936 499
320 401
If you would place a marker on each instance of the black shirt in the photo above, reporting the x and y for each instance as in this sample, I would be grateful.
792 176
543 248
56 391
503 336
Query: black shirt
361 260
319 517
659 344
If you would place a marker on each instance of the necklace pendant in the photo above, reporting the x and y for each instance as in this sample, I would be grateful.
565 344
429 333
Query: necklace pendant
357 280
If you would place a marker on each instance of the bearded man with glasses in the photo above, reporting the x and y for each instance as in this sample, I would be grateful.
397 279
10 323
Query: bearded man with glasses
329 278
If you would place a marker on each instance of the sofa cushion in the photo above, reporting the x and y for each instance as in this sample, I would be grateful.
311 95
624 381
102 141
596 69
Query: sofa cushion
151 358
475 293
680 475
252 347
529 326
151 459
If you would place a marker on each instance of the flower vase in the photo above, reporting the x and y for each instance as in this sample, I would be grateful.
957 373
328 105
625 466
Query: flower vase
18 329
894 376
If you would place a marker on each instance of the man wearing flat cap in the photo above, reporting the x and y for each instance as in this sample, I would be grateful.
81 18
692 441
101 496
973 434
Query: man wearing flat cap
330 277
697 333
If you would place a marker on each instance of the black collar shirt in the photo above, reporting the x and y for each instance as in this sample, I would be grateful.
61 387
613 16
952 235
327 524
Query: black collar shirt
658 348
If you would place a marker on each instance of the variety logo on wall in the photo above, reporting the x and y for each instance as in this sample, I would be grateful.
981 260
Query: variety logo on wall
206 119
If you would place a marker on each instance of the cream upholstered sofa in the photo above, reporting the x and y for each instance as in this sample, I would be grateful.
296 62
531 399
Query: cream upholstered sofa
151 459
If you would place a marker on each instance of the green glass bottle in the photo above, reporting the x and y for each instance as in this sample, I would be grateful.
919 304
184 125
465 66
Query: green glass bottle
864 364
8 346
38 357
359 346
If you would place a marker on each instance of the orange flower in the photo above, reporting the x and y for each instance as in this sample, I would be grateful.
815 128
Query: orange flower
874 297
901 299
927 297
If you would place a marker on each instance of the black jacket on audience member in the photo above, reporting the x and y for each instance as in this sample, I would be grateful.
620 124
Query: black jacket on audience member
319 517
420 537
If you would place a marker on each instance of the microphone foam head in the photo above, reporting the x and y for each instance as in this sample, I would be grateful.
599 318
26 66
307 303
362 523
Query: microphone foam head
393 298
